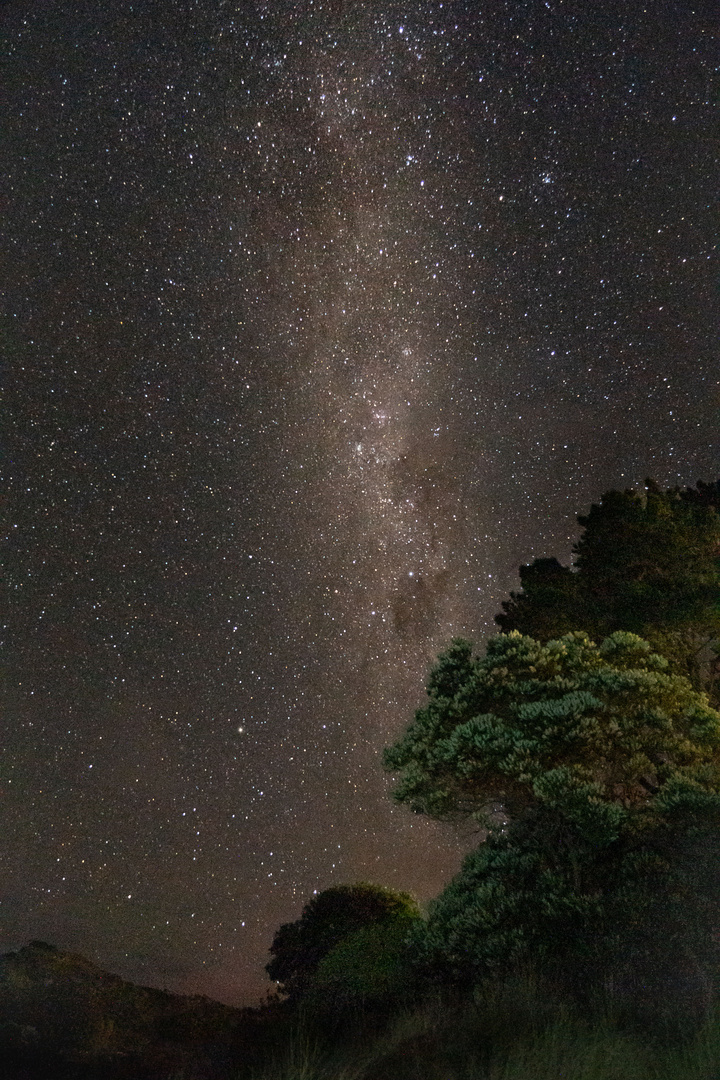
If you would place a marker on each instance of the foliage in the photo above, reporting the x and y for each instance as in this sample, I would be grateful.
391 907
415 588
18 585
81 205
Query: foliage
328 919
635 918
516 1030
604 734
604 762
372 967
646 563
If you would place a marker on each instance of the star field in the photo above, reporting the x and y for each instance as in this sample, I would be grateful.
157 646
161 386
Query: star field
321 318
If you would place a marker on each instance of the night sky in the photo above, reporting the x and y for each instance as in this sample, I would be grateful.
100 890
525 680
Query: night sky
322 317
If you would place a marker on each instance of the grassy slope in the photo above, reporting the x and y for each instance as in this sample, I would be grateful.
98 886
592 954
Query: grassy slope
513 1036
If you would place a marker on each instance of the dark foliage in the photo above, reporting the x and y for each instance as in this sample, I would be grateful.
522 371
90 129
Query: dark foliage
328 919
648 563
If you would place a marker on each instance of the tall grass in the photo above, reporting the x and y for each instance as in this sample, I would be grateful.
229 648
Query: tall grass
515 1032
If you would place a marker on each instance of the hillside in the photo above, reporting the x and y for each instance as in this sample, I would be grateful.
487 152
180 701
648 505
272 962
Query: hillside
61 1015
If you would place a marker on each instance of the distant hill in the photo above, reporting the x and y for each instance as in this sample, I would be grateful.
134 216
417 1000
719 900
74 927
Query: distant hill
62 1016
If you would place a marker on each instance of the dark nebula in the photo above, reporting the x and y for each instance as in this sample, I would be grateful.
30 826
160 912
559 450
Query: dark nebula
321 318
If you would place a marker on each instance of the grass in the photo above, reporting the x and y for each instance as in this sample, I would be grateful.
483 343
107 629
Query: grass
514 1034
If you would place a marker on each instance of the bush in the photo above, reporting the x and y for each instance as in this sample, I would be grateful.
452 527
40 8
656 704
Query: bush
371 968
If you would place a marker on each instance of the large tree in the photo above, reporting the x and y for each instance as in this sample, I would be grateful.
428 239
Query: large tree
604 763
648 563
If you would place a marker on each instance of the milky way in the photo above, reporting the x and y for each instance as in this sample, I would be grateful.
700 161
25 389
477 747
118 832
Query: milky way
322 318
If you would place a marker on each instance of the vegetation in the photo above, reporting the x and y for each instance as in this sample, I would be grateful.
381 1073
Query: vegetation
595 771
345 946
648 563
604 734
580 939
514 1031
371 968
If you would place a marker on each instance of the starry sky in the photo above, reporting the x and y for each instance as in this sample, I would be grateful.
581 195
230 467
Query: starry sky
321 317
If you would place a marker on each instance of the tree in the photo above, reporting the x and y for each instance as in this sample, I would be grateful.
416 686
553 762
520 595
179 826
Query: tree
371 967
605 728
646 563
602 760
332 917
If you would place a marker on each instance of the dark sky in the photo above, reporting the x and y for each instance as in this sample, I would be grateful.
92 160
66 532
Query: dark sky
322 317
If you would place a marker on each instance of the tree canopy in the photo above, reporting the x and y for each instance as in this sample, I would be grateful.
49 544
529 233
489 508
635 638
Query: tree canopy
602 758
648 563
331 917
603 731
370 967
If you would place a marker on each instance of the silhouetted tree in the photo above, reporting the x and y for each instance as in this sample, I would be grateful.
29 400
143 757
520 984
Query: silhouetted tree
330 918
646 563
